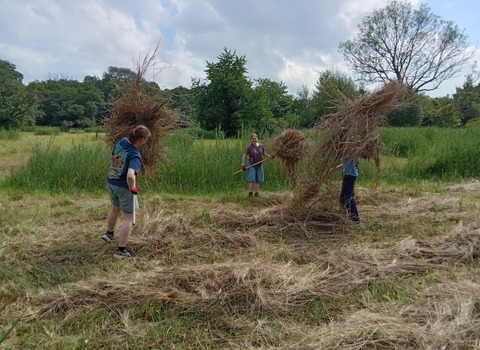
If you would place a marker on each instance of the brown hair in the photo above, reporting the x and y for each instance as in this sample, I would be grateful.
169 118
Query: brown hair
252 135
137 133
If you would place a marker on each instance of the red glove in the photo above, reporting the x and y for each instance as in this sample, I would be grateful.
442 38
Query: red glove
134 190
244 167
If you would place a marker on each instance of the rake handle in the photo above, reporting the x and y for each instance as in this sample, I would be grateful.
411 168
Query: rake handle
248 167
134 197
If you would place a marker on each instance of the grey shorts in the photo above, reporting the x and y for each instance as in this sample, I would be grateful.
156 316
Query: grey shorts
123 198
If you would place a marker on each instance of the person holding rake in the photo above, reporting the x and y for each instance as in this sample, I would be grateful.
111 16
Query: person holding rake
255 152
126 163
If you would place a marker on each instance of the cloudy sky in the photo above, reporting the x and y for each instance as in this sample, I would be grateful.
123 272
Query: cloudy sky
283 40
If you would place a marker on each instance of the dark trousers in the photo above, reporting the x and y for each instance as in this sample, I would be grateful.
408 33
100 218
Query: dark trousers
347 199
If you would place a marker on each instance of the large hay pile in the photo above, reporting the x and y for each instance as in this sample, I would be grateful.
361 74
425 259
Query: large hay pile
352 129
290 146
136 105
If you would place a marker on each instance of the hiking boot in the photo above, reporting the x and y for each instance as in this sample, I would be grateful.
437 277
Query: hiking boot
256 194
107 236
120 254
250 194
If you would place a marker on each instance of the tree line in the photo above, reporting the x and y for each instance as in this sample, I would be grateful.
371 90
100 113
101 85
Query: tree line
395 43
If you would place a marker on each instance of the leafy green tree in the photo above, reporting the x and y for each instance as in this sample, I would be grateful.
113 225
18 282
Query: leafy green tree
276 96
303 107
399 43
227 102
18 103
330 85
409 116
436 113
70 103
467 98
182 99
120 75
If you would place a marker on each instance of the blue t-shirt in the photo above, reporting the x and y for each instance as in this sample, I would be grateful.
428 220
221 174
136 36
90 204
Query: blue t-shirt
124 156
350 167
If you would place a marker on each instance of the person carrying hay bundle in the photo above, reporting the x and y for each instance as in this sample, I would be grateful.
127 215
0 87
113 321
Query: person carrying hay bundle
351 129
126 163
255 152
347 195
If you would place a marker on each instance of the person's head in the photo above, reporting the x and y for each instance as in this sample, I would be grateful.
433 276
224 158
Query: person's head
139 135
254 138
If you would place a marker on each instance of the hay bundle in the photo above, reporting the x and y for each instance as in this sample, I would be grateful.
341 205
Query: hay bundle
352 129
290 146
136 105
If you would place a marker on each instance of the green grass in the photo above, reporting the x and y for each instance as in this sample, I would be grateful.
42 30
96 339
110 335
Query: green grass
207 166
74 162
9 135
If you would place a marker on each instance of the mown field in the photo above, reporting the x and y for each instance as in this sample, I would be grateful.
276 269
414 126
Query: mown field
218 270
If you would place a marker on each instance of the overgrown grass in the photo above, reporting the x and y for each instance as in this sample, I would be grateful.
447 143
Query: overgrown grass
10 135
50 168
207 166
430 154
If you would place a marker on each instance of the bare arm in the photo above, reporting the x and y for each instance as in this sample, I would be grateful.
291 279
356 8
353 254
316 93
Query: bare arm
243 158
131 178
267 155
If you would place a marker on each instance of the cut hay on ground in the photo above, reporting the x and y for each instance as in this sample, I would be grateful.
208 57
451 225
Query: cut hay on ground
291 146
351 130
454 248
138 105
266 286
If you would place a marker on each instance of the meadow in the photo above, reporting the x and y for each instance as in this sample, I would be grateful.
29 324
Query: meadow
218 270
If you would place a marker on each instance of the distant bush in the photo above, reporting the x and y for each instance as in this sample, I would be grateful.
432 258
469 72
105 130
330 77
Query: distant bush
42 130
94 129
76 131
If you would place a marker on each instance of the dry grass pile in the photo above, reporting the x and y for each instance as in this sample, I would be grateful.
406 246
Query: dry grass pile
391 329
256 281
290 146
351 130
137 105
263 284
458 247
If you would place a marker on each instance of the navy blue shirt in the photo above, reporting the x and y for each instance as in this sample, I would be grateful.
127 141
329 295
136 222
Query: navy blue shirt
124 156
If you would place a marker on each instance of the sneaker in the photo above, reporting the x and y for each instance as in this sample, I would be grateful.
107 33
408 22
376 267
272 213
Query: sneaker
120 254
107 237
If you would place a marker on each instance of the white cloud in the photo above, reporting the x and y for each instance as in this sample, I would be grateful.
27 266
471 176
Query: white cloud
281 39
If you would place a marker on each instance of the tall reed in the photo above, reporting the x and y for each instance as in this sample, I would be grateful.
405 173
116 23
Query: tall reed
206 166
11 135
451 155
80 168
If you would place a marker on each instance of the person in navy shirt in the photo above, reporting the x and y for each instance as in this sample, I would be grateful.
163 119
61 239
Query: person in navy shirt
126 163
